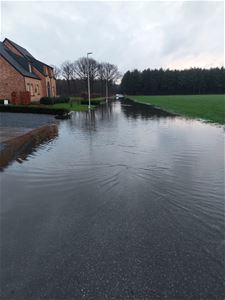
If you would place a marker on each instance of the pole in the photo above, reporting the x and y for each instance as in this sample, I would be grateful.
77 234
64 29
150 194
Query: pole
106 90
88 75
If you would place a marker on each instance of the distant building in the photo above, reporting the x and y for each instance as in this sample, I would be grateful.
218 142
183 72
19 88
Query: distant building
21 72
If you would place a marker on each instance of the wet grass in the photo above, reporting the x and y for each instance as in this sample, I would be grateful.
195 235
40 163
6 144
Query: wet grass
71 106
79 104
207 107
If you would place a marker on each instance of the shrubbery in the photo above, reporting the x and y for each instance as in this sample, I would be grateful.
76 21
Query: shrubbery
54 100
93 102
84 95
33 109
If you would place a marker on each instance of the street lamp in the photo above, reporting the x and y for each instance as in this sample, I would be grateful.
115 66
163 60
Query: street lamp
89 93
106 89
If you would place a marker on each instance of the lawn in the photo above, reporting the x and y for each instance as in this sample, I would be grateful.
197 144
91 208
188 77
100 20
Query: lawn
72 106
79 104
76 104
207 107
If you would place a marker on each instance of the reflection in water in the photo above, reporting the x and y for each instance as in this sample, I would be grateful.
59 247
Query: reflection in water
22 146
135 110
128 203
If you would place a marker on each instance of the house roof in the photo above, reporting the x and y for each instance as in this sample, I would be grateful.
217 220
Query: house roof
21 64
37 63
22 50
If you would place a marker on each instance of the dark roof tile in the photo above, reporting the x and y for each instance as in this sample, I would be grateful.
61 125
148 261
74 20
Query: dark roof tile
18 62
20 49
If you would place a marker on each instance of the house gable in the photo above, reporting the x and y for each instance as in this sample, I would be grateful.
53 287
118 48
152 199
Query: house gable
37 76
22 52
16 48
16 61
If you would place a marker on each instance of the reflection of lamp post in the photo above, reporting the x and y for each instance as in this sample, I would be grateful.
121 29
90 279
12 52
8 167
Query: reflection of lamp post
89 93
106 90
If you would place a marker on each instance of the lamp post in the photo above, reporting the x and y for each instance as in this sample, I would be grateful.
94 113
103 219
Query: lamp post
106 90
89 93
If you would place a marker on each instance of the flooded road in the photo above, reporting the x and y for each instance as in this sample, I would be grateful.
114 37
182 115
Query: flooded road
126 202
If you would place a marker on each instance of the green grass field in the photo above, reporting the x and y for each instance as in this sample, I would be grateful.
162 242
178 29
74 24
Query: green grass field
207 107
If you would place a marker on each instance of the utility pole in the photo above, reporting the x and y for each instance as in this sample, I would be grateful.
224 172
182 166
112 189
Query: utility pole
106 90
88 75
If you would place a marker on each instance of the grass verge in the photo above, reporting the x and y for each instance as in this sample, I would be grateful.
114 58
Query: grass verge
76 104
71 106
207 107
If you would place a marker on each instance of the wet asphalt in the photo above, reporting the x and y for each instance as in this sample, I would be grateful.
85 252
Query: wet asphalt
126 203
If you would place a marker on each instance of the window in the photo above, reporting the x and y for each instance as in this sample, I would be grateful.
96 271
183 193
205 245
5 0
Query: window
32 89
30 69
38 90
28 87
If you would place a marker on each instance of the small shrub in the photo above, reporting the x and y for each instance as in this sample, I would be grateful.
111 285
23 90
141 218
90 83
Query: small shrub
61 99
46 101
54 100
93 102
84 95
95 95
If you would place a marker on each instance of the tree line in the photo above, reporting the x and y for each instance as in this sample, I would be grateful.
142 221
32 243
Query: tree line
72 77
171 82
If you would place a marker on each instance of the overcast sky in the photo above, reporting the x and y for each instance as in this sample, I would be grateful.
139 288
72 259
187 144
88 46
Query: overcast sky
129 34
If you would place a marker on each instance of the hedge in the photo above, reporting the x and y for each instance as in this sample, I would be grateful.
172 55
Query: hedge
33 109
93 101
54 100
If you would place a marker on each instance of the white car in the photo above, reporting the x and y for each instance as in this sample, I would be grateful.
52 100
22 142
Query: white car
119 96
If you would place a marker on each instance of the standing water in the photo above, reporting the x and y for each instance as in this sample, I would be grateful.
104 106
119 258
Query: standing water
127 202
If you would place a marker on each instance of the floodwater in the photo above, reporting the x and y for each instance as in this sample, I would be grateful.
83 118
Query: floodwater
126 202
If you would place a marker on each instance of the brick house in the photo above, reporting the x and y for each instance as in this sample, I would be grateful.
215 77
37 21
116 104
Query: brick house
20 72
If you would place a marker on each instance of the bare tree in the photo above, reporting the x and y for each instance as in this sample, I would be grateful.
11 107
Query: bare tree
109 73
67 71
56 71
93 68
81 65
101 77
80 68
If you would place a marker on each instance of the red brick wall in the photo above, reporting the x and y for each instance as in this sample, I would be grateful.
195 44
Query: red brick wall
16 82
36 91
10 80
44 82
53 82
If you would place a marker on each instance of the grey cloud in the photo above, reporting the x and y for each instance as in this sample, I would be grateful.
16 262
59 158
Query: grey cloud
129 34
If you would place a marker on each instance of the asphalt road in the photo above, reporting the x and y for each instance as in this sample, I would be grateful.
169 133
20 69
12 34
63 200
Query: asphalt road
124 204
